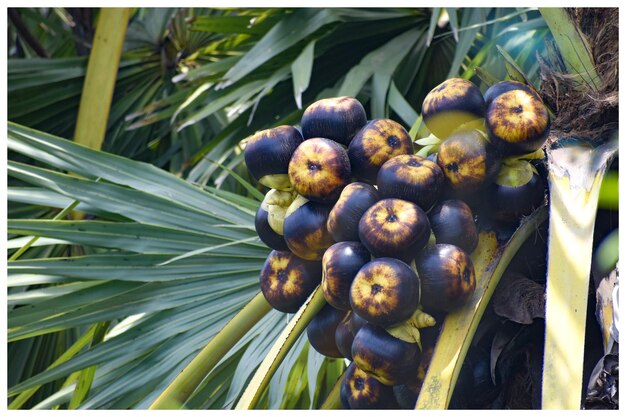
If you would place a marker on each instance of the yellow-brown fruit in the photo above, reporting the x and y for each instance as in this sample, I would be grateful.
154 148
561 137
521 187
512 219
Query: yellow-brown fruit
451 104
377 142
319 169
468 161
394 228
385 291
287 281
517 122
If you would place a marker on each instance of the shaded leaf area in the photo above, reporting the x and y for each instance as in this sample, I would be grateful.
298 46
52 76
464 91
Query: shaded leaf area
120 267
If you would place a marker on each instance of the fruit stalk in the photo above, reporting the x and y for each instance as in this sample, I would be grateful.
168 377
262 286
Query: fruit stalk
285 341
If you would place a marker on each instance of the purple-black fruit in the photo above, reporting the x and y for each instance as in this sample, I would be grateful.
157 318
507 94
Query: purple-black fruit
516 191
337 118
362 391
267 155
447 277
321 331
388 359
305 229
340 264
452 222
451 104
355 199
411 178
272 239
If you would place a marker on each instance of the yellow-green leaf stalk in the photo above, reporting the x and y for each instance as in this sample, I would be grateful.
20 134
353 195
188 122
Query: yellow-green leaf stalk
104 59
574 180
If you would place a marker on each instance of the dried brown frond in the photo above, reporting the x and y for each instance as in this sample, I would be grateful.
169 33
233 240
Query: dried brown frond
591 112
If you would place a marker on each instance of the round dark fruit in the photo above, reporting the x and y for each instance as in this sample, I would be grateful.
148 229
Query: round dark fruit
356 322
412 178
267 235
321 331
451 104
468 161
305 229
343 394
362 391
395 228
355 199
517 122
516 191
267 155
287 281
337 118
340 264
505 86
344 337
319 170
377 142
385 291
388 359
447 277
452 222
406 394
